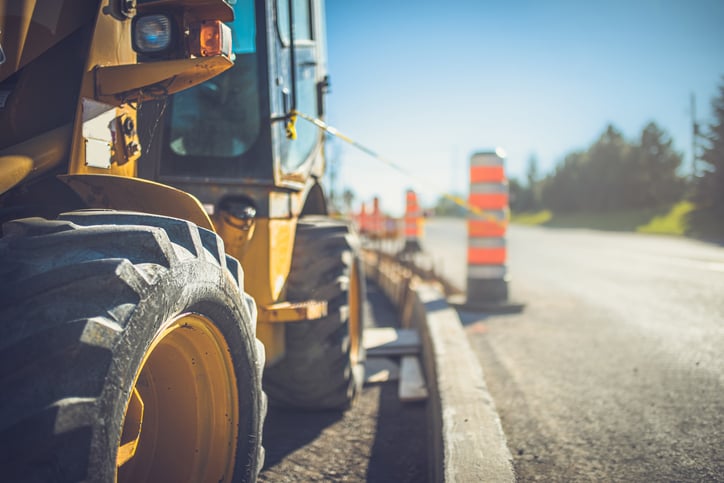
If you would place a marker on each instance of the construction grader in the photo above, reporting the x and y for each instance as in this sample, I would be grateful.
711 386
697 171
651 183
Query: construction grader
167 259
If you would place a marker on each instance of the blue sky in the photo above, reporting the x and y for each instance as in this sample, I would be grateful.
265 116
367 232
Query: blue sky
426 83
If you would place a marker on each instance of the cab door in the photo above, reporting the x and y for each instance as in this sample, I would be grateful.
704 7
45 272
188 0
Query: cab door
298 90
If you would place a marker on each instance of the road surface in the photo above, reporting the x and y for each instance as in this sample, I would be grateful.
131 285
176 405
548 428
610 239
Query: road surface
615 369
378 439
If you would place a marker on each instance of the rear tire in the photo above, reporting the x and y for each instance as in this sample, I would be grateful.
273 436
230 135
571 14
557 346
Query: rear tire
323 364
119 324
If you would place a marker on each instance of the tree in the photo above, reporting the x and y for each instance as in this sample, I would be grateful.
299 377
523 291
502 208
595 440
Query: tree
516 193
532 171
348 197
605 173
532 196
709 189
654 180
526 198
564 191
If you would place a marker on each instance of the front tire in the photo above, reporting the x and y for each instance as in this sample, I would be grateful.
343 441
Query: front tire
128 352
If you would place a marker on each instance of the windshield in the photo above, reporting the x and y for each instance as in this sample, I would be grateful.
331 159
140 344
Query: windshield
220 118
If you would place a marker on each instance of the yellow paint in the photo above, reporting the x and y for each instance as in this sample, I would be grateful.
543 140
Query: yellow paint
135 194
116 82
132 425
272 336
266 260
284 312
14 169
236 239
42 152
113 77
111 45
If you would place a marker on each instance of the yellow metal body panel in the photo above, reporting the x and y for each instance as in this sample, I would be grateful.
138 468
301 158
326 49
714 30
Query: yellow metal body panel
112 77
113 83
272 336
287 312
266 259
14 169
34 156
236 239
135 194
111 45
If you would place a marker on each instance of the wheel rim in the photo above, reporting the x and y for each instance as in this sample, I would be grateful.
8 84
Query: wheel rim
355 313
181 419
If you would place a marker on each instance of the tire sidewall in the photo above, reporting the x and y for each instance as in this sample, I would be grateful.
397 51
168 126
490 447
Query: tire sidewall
192 287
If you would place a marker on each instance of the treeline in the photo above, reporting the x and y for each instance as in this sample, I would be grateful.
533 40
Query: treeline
616 174
613 174
708 187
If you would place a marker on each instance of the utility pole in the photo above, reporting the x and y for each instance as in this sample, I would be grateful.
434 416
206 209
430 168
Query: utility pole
332 160
694 135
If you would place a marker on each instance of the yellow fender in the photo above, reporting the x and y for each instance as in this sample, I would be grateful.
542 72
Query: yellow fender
135 194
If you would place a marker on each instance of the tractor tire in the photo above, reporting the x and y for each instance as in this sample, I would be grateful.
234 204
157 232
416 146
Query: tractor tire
128 353
323 363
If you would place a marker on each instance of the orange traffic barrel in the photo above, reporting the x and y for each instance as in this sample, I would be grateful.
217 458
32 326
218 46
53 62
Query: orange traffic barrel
363 220
412 222
487 277
376 219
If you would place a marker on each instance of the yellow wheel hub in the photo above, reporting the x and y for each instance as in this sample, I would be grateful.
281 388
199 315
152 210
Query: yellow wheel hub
181 420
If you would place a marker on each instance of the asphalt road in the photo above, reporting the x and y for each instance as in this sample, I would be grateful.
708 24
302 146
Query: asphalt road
615 369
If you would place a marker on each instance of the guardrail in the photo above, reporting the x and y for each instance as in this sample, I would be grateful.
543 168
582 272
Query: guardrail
466 440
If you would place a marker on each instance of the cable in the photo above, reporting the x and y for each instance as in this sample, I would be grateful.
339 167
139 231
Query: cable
455 199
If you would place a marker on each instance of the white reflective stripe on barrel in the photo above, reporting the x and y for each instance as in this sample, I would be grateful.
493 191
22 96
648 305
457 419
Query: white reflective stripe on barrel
487 271
483 188
489 215
486 159
481 242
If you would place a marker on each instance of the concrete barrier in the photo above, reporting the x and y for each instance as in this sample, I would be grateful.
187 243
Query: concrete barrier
467 443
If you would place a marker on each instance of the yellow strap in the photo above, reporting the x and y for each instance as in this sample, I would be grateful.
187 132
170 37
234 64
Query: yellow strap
291 126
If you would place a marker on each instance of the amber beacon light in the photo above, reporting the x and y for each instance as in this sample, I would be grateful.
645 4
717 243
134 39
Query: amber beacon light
208 38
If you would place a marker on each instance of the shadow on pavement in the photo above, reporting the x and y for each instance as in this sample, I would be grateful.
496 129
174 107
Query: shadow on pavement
291 429
399 453
469 318
379 312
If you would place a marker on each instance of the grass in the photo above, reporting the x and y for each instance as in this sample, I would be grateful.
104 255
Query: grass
671 223
667 221
538 218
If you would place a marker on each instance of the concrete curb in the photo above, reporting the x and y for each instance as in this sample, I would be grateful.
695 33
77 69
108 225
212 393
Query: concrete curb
467 443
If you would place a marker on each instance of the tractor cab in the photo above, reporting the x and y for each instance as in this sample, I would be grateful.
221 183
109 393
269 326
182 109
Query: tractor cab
228 137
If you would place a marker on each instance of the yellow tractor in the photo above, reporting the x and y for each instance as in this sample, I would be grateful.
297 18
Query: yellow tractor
148 151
